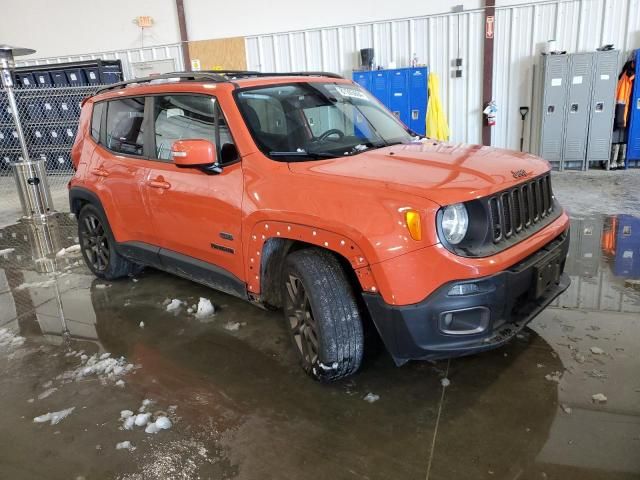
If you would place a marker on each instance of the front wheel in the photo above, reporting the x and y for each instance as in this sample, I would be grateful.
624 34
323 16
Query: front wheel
322 314
98 246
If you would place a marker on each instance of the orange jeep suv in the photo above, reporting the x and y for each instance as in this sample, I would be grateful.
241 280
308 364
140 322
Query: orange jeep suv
302 192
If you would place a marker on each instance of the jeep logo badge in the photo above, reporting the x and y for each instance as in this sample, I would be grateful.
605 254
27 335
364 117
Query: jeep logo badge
519 173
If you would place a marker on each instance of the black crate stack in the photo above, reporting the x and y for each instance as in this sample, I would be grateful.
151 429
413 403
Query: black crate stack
49 99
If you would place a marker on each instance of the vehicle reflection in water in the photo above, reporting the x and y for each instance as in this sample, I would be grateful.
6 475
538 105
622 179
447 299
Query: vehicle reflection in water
242 393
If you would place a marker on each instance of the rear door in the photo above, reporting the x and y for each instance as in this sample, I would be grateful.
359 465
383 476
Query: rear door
196 214
119 168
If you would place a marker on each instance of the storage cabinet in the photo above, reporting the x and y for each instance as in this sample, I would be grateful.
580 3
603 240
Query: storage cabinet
403 91
578 100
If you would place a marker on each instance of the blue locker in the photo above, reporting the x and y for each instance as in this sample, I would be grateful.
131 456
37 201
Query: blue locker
633 141
362 78
627 261
418 99
398 81
380 85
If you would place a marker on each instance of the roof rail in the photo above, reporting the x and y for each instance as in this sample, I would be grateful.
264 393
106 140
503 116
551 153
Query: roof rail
214 76
189 76
249 73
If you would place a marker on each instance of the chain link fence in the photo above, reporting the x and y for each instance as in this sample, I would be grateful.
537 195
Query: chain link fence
50 121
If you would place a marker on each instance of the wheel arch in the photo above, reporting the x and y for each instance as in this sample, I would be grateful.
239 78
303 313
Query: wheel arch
79 197
270 243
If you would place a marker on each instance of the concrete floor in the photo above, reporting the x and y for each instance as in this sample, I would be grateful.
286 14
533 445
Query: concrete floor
241 408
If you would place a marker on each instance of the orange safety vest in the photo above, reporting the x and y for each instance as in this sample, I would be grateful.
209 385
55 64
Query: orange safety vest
624 90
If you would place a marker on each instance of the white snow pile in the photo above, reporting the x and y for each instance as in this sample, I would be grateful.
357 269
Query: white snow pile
205 308
72 249
153 424
174 305
54 417
43 284
102 366
371 397
126 445
599 398
6 251
8 339
232 326
554 376
47 393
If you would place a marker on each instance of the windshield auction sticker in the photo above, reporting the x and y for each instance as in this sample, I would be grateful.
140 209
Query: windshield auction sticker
351 92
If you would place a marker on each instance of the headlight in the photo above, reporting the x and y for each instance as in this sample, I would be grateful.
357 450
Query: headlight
455 222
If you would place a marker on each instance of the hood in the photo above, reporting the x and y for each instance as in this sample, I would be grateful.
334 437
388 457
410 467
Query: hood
443 173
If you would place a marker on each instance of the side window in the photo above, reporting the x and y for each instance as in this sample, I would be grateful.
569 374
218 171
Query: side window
96 118
184 117
125 131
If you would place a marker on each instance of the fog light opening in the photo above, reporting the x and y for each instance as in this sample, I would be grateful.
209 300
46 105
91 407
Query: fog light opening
466 321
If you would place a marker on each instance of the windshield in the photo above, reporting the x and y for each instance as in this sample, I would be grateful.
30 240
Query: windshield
318 120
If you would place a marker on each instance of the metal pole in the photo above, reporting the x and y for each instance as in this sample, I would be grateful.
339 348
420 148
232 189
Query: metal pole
30 175
7 64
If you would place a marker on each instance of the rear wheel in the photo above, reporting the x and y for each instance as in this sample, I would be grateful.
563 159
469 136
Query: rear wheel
322 315
98 246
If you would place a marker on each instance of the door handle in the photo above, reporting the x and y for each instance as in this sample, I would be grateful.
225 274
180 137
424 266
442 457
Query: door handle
100 172
157 183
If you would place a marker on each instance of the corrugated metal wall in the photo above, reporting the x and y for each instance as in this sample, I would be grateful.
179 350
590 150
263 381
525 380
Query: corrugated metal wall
161 52
521 31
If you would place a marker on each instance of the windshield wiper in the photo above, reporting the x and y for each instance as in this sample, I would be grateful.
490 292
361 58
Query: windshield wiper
302 155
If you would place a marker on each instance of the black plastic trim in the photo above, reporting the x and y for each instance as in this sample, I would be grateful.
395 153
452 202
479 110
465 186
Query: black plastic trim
184 266
413 332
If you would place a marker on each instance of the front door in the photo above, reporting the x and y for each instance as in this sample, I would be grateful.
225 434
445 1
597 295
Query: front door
197 215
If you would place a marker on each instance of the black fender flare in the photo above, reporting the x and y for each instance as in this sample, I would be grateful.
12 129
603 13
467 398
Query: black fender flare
78 196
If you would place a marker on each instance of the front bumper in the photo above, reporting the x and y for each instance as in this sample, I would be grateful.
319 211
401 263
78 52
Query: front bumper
506 302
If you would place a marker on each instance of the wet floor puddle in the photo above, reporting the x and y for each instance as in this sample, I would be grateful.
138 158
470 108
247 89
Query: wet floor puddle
239 407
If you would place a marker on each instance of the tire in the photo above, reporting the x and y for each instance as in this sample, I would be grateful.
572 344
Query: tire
98 246
322 315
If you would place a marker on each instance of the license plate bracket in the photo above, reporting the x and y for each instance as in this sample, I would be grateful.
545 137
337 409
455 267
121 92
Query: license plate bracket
546 273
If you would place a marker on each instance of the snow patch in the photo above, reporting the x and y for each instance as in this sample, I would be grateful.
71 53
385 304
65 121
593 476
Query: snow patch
102 366
126 445
6 251
72 249
174 305
554 376
371 397
46 393
9 339
232 326
205 308
54 417
142 419
43 284
599 398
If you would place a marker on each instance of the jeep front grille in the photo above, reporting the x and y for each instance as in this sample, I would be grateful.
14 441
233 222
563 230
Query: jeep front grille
520 208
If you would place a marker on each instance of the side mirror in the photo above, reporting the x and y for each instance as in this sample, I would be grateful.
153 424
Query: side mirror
194 153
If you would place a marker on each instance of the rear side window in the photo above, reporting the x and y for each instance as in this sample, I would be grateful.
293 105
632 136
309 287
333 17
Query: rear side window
125 125
96 118
182 117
